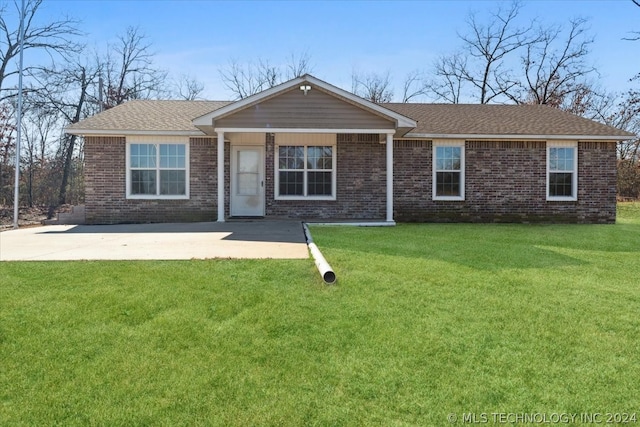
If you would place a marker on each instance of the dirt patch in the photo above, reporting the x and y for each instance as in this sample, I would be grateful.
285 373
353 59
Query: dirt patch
27 216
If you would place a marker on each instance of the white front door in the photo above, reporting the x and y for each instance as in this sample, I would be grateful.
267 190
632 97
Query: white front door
247 181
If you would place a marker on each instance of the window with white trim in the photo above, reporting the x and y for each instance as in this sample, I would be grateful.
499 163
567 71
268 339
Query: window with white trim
157 171
305 172
448 172
562 172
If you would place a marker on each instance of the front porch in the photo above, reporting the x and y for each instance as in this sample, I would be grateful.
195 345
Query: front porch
326 153
262 177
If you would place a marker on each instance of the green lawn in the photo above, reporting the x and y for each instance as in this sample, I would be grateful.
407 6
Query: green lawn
426 320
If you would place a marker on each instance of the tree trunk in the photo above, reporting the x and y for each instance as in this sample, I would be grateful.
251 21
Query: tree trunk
68 155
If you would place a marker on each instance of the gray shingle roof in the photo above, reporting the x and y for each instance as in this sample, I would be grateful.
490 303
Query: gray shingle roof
465 119
146 115
432 119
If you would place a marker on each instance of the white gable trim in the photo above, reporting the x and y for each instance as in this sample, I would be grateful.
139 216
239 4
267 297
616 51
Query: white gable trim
401 121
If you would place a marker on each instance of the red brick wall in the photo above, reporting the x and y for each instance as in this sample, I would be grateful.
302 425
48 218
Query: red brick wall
360 177
505 181
105 186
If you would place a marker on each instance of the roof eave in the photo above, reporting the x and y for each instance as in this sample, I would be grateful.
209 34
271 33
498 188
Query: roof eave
519 136
123 132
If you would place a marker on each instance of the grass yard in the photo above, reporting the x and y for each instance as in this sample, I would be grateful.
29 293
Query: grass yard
426 321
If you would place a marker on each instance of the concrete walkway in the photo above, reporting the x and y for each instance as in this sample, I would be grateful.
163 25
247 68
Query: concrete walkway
242 239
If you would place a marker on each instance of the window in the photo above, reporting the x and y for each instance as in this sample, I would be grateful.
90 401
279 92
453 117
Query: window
562 173
305 172
448 172
157 171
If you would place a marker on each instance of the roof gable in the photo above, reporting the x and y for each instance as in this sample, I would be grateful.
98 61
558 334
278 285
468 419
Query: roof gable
304 106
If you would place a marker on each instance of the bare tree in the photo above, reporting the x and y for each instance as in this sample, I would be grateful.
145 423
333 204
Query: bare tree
627 117
130 73
489 45
70 93
40 129
555 68
479 70
373 87
244 80
298 65
7 147
449 78
187 88
55 38
414 86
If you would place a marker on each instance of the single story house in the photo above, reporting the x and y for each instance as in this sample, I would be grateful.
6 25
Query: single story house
309 150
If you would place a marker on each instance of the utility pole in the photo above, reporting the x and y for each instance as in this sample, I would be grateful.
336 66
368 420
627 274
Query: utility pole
16 196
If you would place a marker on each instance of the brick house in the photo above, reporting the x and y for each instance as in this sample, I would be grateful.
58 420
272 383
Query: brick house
306 149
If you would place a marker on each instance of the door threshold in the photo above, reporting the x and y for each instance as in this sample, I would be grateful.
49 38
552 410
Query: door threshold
244 218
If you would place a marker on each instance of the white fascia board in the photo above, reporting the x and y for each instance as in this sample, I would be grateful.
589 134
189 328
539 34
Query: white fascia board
402 121
303 130
516 137
93 132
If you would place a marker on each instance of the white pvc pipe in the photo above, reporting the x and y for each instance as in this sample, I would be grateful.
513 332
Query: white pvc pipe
322 265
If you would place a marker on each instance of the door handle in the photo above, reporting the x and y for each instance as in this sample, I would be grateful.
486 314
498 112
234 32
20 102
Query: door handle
261 183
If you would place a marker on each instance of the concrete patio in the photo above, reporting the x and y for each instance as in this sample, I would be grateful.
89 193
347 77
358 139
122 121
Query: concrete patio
173 241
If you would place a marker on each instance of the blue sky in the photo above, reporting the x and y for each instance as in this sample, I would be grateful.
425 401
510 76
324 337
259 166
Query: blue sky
200 37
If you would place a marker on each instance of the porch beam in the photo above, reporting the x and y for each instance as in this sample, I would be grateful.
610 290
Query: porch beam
389 177
220 136
306 130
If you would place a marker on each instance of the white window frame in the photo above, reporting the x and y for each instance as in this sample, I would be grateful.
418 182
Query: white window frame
276 157
157 141
461 145
574 171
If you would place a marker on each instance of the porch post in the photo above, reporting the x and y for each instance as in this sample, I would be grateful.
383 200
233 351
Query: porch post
220 176
389 177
